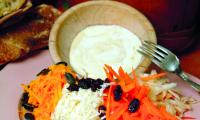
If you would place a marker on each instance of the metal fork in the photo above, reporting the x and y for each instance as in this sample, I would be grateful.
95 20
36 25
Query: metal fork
166 60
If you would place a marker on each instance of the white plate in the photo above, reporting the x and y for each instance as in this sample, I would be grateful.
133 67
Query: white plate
24 71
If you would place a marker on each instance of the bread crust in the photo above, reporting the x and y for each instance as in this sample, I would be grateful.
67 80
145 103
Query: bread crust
13 16
28 35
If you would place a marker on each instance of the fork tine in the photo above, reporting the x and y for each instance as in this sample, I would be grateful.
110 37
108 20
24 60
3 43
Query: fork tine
145 54
166 51
145 49
153 49
150 57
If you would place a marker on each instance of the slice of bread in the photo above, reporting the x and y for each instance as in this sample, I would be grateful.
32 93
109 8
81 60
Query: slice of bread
14 16
8 6
29 34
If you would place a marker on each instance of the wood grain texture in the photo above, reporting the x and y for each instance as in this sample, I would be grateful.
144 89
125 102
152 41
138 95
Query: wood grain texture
72 21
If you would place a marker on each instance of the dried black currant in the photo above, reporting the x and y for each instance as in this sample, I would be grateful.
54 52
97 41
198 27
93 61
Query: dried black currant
70 78
25 103
99 81
73 87
93 89
85 83
102 115
28 106
96 84
117 93
44 72
25 97
29 116
134 105
101 108
62 62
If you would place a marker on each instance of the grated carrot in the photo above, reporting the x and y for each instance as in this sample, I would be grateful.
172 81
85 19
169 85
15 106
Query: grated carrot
108 103
118 110
46 90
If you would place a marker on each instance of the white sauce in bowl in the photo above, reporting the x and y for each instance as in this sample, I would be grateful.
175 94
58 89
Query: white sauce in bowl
98 45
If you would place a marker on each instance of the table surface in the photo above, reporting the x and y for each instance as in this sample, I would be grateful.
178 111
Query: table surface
190 61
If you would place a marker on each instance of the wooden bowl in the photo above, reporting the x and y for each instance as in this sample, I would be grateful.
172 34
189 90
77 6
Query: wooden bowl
90 13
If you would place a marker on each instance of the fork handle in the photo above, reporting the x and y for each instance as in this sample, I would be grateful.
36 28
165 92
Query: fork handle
186 78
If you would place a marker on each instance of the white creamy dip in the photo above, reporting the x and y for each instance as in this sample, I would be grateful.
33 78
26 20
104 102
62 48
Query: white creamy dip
98 45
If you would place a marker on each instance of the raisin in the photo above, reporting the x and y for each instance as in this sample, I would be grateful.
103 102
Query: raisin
73 87
29 116
100 81
90 83
101 115
62 62
25 97
96 84
44 72
117 93
85 83
94 89
25 103
102 107
134 105
102 111
28 106
70 78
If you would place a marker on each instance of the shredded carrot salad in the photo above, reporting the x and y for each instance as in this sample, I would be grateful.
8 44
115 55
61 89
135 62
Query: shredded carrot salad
118 110
46 90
